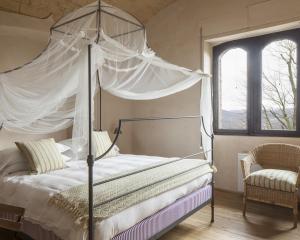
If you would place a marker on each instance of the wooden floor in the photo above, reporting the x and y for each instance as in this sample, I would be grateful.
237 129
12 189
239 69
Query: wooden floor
262 222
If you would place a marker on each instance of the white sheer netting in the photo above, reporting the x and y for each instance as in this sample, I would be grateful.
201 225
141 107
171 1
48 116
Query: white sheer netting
51 93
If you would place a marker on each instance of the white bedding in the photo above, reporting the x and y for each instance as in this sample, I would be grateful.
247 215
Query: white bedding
33 192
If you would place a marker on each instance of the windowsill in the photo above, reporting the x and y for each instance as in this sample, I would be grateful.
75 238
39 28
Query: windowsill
236 134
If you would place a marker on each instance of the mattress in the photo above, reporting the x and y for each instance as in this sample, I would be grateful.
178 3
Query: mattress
152 226
33 192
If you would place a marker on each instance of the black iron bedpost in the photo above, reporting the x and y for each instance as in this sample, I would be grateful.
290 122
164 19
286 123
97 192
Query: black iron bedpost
100 109
211 136
100 101
98 77
90 158
98 22
213 182
212 160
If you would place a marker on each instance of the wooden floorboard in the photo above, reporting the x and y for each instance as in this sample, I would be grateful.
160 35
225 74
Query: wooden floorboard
5 235
262 222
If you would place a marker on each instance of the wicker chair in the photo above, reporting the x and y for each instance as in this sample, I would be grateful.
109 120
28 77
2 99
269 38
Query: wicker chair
278 182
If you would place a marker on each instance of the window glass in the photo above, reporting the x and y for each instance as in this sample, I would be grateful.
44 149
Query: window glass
233 90
279 86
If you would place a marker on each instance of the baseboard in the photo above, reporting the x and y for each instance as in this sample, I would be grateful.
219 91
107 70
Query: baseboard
229 191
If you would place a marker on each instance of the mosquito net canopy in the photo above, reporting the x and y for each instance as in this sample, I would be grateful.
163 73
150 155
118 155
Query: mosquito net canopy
51 92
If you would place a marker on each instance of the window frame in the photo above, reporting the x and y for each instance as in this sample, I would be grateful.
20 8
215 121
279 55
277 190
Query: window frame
254 46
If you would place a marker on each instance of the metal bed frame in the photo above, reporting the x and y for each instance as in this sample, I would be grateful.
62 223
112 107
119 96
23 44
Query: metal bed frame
90 158
91 184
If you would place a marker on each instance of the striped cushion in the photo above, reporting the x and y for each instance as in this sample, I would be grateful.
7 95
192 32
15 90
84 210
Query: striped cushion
43 155
101 143
281 180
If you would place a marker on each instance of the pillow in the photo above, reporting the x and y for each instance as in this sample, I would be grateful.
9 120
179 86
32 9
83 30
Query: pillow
66 158
66 142
62 147
12 161
117 149
69 153
102 142
43 155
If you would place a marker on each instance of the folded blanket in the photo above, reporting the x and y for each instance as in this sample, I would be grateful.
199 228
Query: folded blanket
114 195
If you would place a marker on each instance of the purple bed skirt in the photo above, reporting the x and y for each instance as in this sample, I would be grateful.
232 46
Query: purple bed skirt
154 224
145 229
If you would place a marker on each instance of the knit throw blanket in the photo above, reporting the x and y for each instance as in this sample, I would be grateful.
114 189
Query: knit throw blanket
112 195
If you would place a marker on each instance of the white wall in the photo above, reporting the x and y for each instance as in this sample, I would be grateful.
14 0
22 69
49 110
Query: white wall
169 137
177 33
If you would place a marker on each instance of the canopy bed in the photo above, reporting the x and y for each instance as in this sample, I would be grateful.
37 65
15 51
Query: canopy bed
100 45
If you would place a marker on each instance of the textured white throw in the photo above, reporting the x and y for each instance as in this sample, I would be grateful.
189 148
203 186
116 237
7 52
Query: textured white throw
112 196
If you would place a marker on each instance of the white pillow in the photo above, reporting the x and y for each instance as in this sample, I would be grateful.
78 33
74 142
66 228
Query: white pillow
62 147
12 161
70 154
116 149
66 142
66 158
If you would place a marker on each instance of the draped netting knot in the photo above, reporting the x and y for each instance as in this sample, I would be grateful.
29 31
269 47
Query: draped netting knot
148 52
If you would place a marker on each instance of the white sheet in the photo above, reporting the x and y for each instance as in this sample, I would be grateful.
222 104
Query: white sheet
33 192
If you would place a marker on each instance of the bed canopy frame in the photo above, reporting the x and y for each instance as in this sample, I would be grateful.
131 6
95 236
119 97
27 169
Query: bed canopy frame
138 27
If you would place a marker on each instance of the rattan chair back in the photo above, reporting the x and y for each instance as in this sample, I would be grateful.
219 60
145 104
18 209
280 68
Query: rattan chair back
278 156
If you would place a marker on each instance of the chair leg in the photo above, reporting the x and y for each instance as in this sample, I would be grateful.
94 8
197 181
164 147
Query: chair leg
212 220
245 199
295 213
16 236
244 204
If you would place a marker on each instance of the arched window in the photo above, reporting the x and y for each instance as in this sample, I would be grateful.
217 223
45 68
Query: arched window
233 89
255 82
279 86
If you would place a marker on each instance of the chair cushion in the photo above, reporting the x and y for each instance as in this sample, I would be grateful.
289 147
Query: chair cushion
281 180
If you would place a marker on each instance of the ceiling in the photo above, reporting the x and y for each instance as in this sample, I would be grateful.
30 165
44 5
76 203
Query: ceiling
142 9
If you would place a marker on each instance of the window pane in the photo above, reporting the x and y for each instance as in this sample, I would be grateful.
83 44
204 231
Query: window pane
233 90
279 86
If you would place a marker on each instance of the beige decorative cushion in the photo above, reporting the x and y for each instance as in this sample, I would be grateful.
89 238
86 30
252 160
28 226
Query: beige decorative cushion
281 180
101 143
43 155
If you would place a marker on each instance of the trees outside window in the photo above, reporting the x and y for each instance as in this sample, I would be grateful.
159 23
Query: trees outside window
279 85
